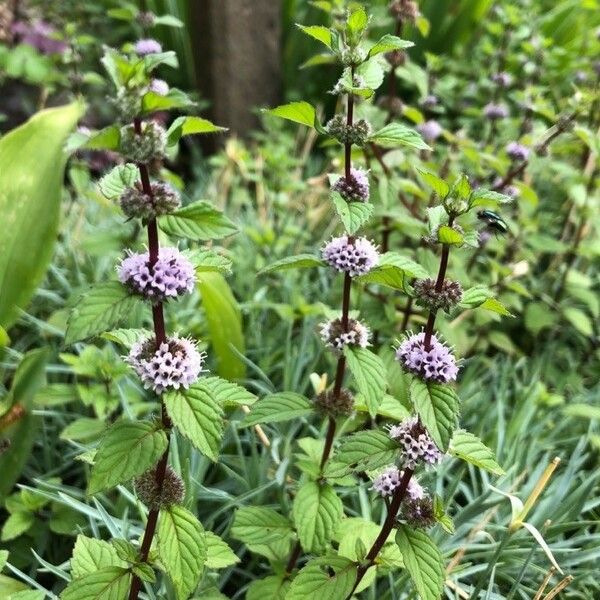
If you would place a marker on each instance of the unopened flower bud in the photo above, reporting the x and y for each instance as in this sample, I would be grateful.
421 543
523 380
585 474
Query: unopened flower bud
335 405
149 145
156 497
428 297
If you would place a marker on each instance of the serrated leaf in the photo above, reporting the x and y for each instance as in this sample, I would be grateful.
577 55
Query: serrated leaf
199 221
273 587
318 32
198 417
388 43
83 429
17 524
352 214
208 261
496 306
281 406
423 561
316 511
461 187
369 373
358 19
110 583
127 450
475 296
367 450
438 185
392 271
126 337
153 102
226 393
481 197
437 406
118 179
219 554
449 235
102 307
298 112
91 555
259 525
470 448
181 548
330 578
394 135
299 261
187 125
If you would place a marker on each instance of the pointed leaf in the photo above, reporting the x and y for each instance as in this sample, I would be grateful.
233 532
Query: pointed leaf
298 112
318 32
367 450
330 578
470 448
259 525
394 135
352 214
281 406
388 43
369 374
198 221
110 583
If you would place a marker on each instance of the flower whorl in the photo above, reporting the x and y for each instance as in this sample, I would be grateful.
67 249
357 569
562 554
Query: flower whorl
135 204
389 479
150 144
436 363
355 256
416 443
335 336
354 188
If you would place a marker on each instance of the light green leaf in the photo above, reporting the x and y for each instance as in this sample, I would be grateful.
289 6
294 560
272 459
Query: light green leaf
17 524
181 548
329 578
394 135
496 306
273 587
449 235
259 525
208 260
300 261
580 320
108 138
83 429
198 417
475 296
91 555
126 337
470 448
367 450
168 21
423 561
225 392
127 450
461 187
31 178
110 583
481 197
281 406
198 221
189 126
153 102
102 307
298 112
369 372
118 179
439 186
318 32
352 214
388 43
357 22
219 554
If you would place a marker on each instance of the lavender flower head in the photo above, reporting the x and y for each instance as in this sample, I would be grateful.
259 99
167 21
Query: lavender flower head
172 275
355 256
494 111
430 130
354 188
387 481
159 86
416 443
175 364
146 47
434 364
503 79
335 336
517 151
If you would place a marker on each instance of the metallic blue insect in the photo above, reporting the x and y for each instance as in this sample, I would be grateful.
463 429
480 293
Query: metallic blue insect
493 221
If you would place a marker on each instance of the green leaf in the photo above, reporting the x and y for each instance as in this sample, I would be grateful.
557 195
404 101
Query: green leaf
461 187
17 524
367 450
31 179
475 296
356 24
198 221
168 58
392 271
259 525
208 260
300 261
198 417
153 102
224 324
388 43
470 448
183 126
298 112
317 510
496 306
369 372
437 406
226 393
168 21
91 555
438 185
449 235
219 554
483 197
126 337
318 32
102 307
353 214
273 587
328 578
281 406
394 135
423 562
83 429
110 583
181 548
580 320
118 179
127 450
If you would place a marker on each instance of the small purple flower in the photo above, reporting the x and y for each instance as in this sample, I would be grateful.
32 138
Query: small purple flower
387 481
336 337
494 111
517 151
355 256
172 275
146 47
354 188
503 79
434 364
416 443
430 101
159 86
175 364
430 130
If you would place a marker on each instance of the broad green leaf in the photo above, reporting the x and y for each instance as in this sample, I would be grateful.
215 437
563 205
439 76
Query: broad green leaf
539 316
352 214
101 308
189 126
226 393
198 221
423 561
218 553
118 179
197 416
127 450
369 372
17 524
168 58
438 185
181 548
91 555
328 578
437 406
300 261
168 21
357 22
153 102
318 32
110 583
27 595
281 406
31 179
394 135
481 197
496 306
224 324
470 448
108 138
580 320
273 587
298 112
317 510
388 43
367 450
208 260
449 235
392 271
126 337
475 296
83 429
259 525
461 187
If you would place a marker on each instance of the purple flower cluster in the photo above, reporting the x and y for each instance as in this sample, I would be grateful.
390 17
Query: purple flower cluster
172 275
436 363
416 443
430 130
335 336
387 481
494 111
159 86
354 188
146 47
517 151
175 364
353 256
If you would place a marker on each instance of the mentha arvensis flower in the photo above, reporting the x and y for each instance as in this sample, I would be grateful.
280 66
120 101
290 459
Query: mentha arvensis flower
435 363
148 145
517 151
355 256
389 479
336 336
354 188
494 111
175 364
416 444
430 130
135 204
146 47
172 275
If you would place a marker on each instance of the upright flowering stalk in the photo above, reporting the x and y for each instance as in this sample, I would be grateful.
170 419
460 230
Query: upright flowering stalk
167 364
